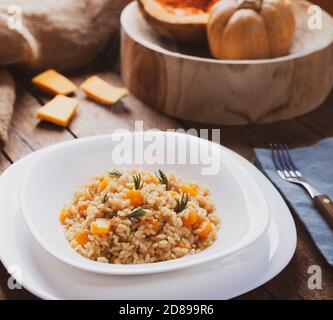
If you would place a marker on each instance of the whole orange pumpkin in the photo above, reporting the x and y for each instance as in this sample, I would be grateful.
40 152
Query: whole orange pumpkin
250 29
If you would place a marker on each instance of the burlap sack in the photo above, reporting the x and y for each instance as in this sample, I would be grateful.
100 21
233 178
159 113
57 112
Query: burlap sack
62 34
7 98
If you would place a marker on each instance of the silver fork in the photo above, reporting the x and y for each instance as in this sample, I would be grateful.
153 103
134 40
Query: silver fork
287 170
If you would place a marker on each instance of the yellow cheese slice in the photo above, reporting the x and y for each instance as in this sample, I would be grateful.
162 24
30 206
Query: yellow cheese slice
54 83
101 91
59 110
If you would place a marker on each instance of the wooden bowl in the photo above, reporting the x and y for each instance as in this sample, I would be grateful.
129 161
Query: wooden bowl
186 83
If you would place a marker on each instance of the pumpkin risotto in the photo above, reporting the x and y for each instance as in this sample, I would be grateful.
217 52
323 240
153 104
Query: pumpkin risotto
136 216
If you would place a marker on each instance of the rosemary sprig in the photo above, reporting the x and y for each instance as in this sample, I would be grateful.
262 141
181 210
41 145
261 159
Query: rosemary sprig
105 198
182 203
163 178
137 213
138 184
115 173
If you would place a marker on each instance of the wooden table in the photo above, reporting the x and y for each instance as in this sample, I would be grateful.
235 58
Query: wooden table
28 134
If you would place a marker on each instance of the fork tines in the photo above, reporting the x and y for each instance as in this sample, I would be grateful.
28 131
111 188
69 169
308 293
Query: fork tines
283 162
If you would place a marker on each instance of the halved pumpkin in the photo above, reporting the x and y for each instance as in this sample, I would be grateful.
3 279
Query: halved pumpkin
182 21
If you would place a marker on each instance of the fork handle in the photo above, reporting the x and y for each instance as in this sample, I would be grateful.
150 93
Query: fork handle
325 206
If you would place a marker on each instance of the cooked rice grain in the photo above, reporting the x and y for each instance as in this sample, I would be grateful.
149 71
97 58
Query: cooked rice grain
98 226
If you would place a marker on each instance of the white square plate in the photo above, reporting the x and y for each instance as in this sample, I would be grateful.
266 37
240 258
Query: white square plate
48 278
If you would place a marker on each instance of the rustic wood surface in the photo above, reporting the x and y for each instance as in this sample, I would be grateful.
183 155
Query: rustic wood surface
226 92
28 134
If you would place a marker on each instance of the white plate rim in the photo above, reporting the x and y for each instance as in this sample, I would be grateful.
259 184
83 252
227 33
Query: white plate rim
285 252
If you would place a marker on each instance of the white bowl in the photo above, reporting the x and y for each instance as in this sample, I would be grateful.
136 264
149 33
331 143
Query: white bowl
51 179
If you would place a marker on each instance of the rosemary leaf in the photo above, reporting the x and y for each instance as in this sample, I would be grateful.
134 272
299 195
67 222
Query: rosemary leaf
138 184
137 213
163 178
105 198
182 203
115 173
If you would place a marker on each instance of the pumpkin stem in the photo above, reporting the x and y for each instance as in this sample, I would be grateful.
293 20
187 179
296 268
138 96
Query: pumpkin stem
250 4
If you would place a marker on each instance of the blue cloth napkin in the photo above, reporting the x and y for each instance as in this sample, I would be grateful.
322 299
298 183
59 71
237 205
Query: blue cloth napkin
316 165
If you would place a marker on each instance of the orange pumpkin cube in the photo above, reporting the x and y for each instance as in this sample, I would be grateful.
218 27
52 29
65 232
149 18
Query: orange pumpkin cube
60 110
82 209
135 197
100 227
204 233
53 82
155 224
104 183
191 219
64 214
190 189
82 237
101 91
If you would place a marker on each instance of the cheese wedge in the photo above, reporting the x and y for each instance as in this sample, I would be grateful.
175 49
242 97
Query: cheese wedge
54 83
59 110
101 91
